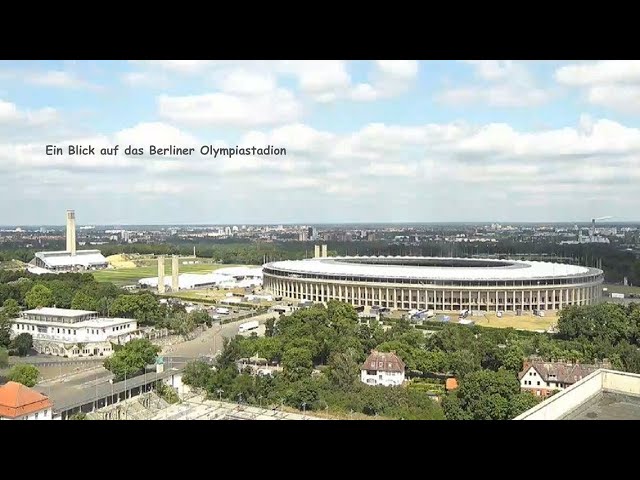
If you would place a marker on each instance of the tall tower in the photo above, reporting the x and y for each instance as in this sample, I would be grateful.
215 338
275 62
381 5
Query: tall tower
324 251
71 232
316 251
175 265
160 273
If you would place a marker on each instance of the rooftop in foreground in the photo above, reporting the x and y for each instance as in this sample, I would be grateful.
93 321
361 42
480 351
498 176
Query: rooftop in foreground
602 395
607 406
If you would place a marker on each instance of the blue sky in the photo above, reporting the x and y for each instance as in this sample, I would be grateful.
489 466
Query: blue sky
367 141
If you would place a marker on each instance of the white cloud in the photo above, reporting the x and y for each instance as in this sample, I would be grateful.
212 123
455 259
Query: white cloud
57 79
158 188
599 73
158 134
322 81
220 109
389 78
145 79
317 77
11 115
179 66
244 82
596 157
398 68
614 84
506 84
391 170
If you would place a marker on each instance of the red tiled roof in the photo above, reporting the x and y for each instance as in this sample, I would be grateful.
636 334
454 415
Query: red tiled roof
451 384
17 400
383 362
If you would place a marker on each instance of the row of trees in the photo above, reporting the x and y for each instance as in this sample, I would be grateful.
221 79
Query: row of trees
320 350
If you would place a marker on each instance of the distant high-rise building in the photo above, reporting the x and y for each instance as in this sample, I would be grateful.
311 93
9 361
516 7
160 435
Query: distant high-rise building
302 236
312 233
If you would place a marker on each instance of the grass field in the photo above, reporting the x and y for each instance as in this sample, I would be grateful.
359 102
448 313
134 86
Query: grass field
524 322
128 276
621 289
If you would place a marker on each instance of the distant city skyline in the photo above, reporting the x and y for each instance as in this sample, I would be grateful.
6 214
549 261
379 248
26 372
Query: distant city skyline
366 141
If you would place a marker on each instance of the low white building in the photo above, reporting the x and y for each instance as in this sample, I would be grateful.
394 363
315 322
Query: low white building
74 333
382 368
65 261
18 402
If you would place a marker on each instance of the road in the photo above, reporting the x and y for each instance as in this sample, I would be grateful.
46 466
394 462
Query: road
211 341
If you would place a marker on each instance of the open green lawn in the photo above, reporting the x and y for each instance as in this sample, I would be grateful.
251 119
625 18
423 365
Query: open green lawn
129 276
621 289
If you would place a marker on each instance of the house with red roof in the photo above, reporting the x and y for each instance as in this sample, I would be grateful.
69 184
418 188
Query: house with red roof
18 402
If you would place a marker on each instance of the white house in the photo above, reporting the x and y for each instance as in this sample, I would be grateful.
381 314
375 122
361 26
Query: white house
382 368
542 378
73 333
18 402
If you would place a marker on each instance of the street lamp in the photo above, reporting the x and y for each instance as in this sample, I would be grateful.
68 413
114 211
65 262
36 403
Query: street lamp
220 392
304 408
260 399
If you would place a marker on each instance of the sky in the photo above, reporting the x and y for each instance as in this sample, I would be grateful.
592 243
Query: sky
366 141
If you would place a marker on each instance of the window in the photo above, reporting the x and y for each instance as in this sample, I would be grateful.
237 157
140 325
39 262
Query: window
36 415
538 382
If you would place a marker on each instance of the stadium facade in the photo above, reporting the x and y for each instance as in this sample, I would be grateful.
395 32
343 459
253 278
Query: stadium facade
440 284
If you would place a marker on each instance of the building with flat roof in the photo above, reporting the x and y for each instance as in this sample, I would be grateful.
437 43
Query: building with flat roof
74 333
69 260
602 395
442 284
18 402
64 261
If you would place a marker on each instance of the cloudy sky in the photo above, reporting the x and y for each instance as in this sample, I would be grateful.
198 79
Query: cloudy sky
367 141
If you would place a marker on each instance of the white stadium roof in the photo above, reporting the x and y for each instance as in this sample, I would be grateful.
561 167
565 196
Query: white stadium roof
504 270
224 277
82 258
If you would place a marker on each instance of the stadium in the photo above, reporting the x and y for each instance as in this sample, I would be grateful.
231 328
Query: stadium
439 284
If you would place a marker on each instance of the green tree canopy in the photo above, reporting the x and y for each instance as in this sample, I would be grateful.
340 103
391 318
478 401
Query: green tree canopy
23 344
4 358
11 308
25 374
132 358
39 296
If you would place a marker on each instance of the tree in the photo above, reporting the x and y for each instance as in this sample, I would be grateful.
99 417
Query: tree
343 370
4 358
269 328
197 374
297 363
23 344
5 332
484 395
25 374
512 358
183 324
132 358
522 402
78 416
82 301
10 308
39 296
